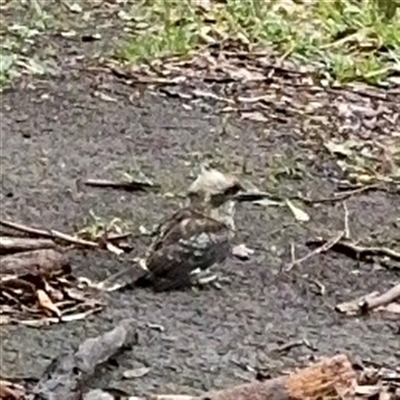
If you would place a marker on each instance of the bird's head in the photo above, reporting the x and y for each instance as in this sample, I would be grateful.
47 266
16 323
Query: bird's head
214 188
215 193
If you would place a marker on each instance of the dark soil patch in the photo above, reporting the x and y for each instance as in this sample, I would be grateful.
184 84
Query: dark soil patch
58 132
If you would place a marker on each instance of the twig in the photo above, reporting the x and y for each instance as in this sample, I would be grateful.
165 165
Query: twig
346 221
384 299
290 345
322 249
129 186
342 196
369 302
12 244
43 262
51 234
358 252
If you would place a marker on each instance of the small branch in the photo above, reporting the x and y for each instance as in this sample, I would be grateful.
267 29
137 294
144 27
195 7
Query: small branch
129 186
66 376
358 252
44 263
51 234
10 244
322 249
369 302
353 307
343 195
330 377
346 222
384 299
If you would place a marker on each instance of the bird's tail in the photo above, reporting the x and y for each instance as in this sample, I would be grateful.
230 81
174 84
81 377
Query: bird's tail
143 281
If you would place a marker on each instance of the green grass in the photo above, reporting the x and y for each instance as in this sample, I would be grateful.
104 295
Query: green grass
347 40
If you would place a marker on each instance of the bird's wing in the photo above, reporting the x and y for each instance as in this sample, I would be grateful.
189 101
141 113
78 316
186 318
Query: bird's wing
185 224
189 241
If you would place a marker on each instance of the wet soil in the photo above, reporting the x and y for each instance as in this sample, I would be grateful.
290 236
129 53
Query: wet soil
57 132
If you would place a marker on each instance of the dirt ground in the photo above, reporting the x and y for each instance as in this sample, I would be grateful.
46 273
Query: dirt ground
56 132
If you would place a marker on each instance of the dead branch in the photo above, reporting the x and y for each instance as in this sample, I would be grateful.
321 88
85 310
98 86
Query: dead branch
44 263
51 234
66 376
10 244
341 196
384 299
353 307
369 302
358 252
330 377
327 245
129 186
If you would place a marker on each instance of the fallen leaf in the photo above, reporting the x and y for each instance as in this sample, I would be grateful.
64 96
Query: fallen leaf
343 149
104 97
136 373
68 34
392 308
75 7
299 214
114 249
46 303
254 116
11 391
242 252
267 202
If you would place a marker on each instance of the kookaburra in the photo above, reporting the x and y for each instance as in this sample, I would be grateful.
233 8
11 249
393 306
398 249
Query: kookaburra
197 236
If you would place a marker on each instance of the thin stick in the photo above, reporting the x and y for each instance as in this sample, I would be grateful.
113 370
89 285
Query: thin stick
384 299
322 249
342 196
51 233
346 221
130 186
355 251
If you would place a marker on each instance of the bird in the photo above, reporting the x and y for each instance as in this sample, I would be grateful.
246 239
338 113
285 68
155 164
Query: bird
195 237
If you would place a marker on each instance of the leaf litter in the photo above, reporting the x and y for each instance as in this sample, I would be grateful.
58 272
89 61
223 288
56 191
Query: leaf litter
38 287
31 298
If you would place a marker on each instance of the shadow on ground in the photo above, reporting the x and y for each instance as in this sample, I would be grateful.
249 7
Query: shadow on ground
57 133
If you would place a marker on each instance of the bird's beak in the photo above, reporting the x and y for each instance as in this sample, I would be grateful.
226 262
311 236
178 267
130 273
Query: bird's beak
249 196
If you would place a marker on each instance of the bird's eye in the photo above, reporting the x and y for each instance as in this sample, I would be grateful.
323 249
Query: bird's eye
231 191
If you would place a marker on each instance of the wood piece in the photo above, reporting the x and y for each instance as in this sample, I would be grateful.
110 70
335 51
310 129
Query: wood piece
383 299
51 234
66 376
358 252
44 263
370 302
129 186
9 244
330 377
327 245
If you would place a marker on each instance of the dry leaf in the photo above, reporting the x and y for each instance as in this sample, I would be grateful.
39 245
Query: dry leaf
204 5
11 391
267 202
104 97
136 373
299 214
392 308
254 116
75 7
114 249
46 303
343 149
242 252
